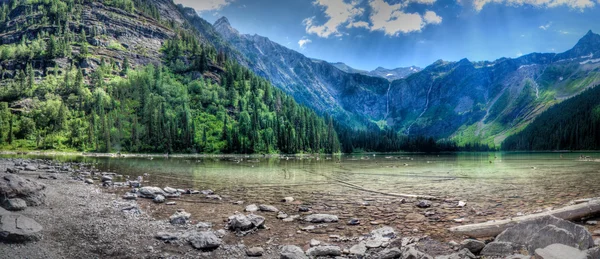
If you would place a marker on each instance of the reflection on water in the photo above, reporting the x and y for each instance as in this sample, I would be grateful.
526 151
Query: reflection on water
471 176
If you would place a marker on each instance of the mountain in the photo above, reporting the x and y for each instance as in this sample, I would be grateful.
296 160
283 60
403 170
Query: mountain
138 76
469 102
390 74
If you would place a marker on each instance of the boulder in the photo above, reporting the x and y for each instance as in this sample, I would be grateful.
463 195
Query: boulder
522 233
252 208
267 208
321 218
386 232
14 186
204 240
390 253
30 168
501 249
159 199
106 178
180 218
560 251
473 245
594 252
150 192
18 228
255 251
318 251
292 252
257 221
240 222
549 235
14 204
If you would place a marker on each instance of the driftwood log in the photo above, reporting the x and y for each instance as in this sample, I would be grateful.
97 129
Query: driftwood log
493 228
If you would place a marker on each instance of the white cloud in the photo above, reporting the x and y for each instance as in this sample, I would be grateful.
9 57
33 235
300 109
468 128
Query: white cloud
205 5
545 27
338 12
389 18
302 42
563 32
431 17
392 20
575 4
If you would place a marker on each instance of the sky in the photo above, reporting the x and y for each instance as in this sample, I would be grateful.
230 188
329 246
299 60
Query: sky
366 34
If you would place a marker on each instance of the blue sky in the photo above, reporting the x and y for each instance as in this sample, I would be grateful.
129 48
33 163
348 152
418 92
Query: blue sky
366 34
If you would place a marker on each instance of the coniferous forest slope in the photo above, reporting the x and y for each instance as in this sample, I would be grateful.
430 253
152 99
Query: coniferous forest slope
134 76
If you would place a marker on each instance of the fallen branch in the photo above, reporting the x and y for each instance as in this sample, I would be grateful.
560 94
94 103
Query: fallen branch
493 228
360 188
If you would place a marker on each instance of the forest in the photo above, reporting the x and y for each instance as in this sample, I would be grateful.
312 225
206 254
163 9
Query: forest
197 101
573 124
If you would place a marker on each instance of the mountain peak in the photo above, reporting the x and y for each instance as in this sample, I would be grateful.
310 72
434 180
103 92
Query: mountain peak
222 21
223 27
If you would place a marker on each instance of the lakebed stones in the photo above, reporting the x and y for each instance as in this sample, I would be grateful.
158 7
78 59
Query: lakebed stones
424 204
321 218
473 245
287 199
13 186
18 228
89 181
292 252
390 253
500 249
159 199
251 208
255 251
166 236
205 240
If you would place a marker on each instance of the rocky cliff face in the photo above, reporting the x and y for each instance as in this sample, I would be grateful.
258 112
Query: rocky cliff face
466 101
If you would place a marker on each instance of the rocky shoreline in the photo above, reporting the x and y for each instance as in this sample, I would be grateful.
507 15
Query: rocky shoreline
72 210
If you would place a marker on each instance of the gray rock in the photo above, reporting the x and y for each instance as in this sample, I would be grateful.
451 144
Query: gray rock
267 208
324 251
165 236
151 192
424 204
292 252
410 252
130 196
386 232
374 242
204 240
30 168
288 199
353 222
257 221
255 251
282 215
522 232
207 192
205 225
159 199
462 254
240 222
180 218
89 181
135 184
171 203
14 186
473 245
498 248
549 235
14 204
12 171
314 242
390 253
18 228
214 197
106 178
321 218
170 190
252 208
593 253
560 251
359 249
